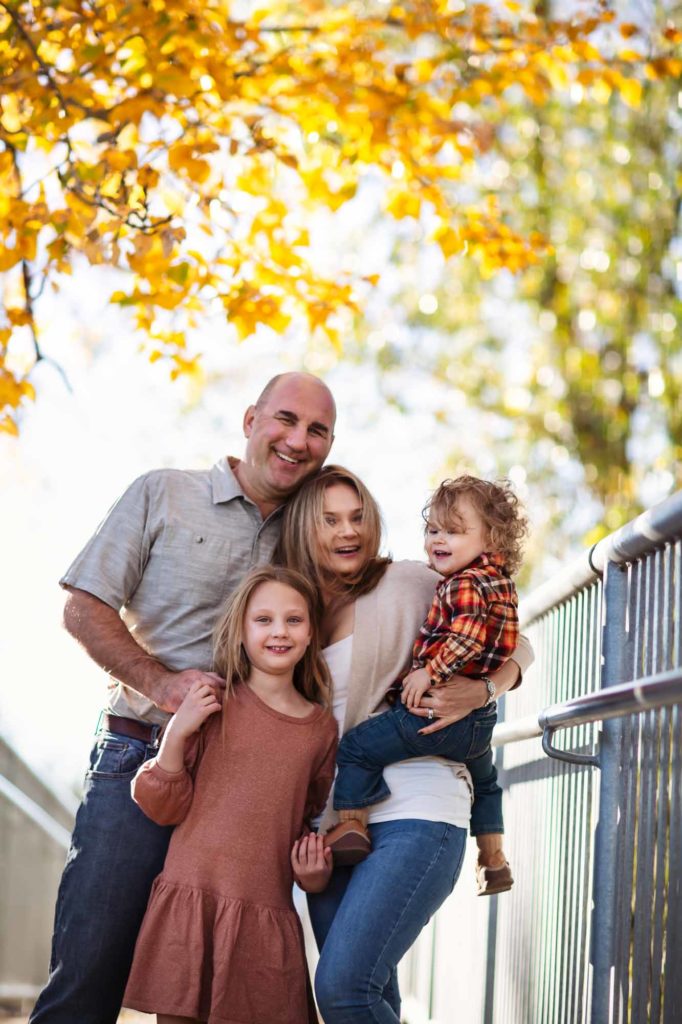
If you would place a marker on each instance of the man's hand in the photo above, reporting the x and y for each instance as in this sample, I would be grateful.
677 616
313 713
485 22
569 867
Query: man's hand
170 688
199 704
415 685
312 863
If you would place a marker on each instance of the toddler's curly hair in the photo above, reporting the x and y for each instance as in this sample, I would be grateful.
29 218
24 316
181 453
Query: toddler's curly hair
498 507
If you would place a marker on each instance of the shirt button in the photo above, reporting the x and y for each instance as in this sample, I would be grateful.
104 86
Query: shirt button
199 539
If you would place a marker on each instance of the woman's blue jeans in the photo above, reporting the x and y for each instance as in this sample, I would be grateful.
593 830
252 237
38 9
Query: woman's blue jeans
115 854
370 915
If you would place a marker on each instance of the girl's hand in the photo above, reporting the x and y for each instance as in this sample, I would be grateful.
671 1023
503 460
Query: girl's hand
415 685
199 703
312 862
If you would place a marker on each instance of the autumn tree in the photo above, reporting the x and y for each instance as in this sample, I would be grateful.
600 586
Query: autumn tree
584 366
185 146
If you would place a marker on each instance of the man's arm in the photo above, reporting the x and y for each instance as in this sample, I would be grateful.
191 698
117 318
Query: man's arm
101 631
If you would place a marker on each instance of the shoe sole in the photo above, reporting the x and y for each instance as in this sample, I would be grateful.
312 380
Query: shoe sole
350 850
489 885
492 890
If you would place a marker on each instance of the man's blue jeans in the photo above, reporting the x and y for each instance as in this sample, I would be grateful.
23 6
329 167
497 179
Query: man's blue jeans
394 736
116 852
370 915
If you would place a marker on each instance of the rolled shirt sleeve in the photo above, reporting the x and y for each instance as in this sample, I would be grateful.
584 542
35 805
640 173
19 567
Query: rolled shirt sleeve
112 563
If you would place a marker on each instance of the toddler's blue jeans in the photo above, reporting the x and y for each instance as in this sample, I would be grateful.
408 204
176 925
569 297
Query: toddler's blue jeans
394 736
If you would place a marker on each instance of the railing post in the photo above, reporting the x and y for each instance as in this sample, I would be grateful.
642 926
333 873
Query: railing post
614 671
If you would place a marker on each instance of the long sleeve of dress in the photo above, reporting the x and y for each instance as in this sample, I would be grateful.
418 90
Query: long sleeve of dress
166 797
321 782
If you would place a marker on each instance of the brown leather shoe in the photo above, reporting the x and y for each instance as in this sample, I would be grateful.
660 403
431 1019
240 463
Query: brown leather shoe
492 880
349 842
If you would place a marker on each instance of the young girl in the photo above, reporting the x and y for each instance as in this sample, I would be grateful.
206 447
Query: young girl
221 942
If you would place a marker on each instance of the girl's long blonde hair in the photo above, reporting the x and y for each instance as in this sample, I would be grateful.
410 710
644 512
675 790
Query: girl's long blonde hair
311 676
300 547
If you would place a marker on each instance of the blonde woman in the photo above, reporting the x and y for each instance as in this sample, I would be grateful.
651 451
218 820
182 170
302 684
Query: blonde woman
370 914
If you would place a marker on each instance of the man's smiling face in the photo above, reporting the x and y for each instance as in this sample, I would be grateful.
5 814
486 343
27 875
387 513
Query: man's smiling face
289 436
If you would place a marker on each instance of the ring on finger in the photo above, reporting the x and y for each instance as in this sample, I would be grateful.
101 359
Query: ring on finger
430 714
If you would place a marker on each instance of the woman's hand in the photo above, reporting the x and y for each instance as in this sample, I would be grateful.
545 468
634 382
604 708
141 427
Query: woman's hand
312 862
460 696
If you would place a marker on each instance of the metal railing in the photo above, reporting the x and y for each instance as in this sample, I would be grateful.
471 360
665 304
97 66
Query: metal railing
592 930
35 824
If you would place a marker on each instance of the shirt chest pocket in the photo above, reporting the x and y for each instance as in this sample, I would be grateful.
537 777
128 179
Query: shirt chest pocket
192 565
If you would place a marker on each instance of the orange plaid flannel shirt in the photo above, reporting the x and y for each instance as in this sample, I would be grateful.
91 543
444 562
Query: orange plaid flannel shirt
472 627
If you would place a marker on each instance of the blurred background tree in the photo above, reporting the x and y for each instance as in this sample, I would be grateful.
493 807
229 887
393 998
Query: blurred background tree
576 362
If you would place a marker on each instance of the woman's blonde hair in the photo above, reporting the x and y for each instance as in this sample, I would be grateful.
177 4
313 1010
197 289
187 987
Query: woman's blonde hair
300 546
311 676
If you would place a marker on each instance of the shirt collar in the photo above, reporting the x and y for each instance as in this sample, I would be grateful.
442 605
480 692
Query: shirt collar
224 483
484 560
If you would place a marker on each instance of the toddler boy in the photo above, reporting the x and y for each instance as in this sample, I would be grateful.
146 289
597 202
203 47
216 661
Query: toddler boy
473 536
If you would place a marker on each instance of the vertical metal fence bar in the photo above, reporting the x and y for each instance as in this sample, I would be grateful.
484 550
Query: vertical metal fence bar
585 797
662 845
643 877
563 846
661 802
628 795
592 666
552 629
672 975
549 630
570 817
672 983
604 894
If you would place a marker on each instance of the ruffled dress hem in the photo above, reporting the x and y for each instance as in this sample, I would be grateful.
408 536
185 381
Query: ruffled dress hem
240 980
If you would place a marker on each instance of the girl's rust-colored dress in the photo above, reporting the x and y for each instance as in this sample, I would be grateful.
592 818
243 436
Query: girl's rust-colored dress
221 941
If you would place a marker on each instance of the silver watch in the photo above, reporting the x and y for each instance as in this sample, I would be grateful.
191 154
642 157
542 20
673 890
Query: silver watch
492 692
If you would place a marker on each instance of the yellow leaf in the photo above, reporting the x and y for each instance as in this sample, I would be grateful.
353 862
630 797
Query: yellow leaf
8 426
449 240
8 258
404 204
631 91
629 55
18 317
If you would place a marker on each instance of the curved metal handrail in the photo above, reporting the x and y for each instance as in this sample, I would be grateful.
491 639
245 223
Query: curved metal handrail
646 694
637 538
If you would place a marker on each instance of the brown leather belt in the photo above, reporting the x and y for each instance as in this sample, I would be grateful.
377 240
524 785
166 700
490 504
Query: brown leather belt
130 727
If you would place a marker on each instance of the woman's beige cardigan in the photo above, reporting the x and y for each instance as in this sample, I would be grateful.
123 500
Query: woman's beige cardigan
387 621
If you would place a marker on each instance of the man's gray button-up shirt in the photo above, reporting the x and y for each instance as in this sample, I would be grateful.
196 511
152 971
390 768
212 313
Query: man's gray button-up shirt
166 557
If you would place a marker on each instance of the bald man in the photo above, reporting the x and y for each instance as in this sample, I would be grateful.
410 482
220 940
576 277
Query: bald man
142 600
